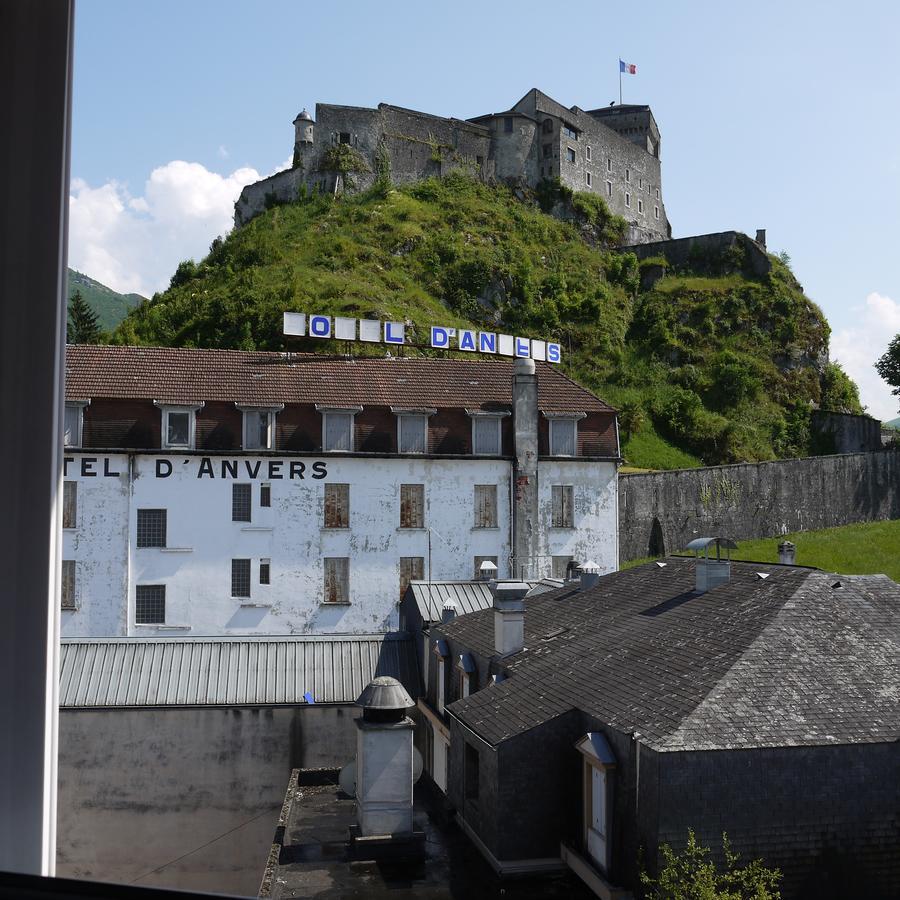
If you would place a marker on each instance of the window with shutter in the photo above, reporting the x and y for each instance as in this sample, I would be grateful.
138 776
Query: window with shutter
337 579
485 505
486 435
563 437
412 568
70 504
412 435
412 505
337 505
67 598
338 432
563 506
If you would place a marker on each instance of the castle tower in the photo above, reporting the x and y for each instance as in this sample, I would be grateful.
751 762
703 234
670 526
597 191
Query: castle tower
303 135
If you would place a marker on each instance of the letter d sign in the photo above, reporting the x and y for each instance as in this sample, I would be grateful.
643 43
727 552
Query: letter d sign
440 337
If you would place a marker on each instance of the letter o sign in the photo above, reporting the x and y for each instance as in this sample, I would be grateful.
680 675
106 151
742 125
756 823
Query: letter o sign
320 326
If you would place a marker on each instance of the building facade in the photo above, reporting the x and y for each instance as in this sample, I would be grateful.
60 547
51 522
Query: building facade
613 152
230 493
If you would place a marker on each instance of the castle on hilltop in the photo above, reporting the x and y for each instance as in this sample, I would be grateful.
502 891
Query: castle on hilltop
613 152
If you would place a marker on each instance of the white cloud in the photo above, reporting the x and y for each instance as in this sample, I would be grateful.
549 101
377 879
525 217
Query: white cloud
134 243
857 349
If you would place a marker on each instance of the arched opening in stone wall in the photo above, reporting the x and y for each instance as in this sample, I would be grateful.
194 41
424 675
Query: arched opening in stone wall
657 541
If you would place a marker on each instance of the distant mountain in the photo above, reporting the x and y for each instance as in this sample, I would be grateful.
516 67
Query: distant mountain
111 307
894 423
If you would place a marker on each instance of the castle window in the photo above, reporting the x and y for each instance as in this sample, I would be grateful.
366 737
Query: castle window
548 151
345 137
609 189
570 132
570 154
587 176
608 164
656 211
479 161
627 199
548 126
640 206
640 182
507 124
588 149
657 193
628 176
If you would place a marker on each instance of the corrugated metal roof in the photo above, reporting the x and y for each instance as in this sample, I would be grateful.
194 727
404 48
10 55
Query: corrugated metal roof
468 596
121 672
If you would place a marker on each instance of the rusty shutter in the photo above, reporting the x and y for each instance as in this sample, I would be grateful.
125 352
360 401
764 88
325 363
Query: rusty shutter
412 568
337 505
337 579
412 505
563 513
70 504
485 505
68 584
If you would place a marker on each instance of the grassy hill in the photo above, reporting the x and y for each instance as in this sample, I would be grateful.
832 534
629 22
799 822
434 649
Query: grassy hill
111 307
710 365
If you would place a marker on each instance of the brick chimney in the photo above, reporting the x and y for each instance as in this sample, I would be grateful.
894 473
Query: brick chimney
509 616
525 470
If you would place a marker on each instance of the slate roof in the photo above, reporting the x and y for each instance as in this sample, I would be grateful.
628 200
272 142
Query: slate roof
127 672
788 660
183 375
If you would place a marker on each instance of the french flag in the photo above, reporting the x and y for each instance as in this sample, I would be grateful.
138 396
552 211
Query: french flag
627 68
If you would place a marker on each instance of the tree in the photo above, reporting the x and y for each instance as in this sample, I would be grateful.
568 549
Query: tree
691 875
888 367
631 418
82 327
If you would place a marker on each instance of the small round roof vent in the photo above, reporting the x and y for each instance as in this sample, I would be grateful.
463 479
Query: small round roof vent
385 694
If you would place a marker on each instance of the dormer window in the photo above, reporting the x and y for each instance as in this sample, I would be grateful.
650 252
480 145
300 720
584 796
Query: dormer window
486 436
259 427
412 429
179 425
337 428
466 668
73 422
564 433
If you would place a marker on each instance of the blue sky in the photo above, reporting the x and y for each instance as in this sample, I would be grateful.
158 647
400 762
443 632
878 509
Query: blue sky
774 115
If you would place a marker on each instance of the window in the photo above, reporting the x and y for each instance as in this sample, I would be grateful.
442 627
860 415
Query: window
640 206
570 154
337 506
412 568
337 579
548 151
240 578
478 561
265 494
588 151
72 424
337 431
559 566
259 429
587 176
177 428
67 592
466 666
479 161
657 193
151 528
486 435
472 776
507 124
570 132
562 499
608 164
640 182
265 571
628 176
344 137
150 604
609 189
548 126
240 502
440 685
628 199
412 434
563 437
412 505
656 212
485 506
70 504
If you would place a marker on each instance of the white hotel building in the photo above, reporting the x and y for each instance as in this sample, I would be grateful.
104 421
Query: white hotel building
220 492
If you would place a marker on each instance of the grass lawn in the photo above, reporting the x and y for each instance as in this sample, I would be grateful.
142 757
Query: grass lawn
871 548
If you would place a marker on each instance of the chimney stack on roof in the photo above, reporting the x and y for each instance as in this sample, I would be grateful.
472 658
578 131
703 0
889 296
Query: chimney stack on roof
711 573
525 469
787 553
448 611
509 616
590 575
487 571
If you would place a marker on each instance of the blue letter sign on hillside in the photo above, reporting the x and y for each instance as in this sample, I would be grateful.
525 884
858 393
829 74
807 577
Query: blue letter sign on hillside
371 331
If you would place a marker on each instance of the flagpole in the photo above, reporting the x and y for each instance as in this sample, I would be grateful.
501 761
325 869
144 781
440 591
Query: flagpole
620 82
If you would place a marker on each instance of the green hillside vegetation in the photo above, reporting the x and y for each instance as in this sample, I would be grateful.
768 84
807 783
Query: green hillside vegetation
110 306
710 365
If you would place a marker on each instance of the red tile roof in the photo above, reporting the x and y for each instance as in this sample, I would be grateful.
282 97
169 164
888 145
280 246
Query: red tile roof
256 378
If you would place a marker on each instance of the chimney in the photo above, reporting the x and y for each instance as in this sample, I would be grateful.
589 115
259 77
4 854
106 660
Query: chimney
710 573
590 575
761 237
525 469
787 553
509 617
448 612
487 571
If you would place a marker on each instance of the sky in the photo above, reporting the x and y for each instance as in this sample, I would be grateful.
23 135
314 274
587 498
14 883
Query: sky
776 115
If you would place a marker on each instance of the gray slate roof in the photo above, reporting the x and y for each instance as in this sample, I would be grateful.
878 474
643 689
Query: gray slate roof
784 661
128 672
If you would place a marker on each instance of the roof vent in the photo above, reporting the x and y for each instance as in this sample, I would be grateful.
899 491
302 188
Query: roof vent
487 570
787 553
661 565
712 572
837 584
509 616
762 576
448 611
590 575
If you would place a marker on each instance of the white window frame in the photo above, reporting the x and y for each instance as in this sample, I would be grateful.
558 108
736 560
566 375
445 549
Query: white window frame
412 413
76 406
656 211
168 409
640 205
475 415
609 189
574 418
571 155
628 199
339 411
628 176
587 176
588 150
269 412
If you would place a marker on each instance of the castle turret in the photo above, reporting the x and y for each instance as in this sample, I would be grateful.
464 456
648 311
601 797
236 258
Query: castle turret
303 135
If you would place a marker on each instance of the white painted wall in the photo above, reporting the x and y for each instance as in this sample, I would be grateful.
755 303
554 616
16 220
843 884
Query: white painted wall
595 535
202 539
